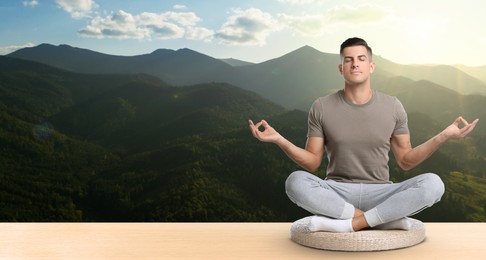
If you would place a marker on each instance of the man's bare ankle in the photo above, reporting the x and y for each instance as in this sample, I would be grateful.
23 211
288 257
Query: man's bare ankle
357 212
359 222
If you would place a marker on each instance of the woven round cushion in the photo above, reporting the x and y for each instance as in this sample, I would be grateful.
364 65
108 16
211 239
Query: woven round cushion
364 240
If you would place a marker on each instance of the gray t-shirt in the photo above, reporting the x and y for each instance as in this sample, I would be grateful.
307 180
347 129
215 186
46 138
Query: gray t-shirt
357 137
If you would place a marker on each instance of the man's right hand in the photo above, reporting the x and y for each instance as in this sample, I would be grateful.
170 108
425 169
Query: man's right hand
267 135
308 158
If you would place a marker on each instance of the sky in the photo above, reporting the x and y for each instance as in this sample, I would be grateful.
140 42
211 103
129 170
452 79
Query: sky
405 32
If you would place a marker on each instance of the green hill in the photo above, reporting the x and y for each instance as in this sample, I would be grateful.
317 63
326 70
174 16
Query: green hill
64 133
443 75
141 116
293 80
438 102
478 72
180 67
83 147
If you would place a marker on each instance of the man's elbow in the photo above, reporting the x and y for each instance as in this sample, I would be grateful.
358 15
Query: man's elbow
406 166
311 167
311 163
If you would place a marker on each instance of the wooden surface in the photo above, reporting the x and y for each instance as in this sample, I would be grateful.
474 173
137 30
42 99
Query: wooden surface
213 241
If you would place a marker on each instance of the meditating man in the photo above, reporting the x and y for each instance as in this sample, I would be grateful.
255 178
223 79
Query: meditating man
356 127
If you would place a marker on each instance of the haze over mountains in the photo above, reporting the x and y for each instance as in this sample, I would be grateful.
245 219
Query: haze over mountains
293 80
164 137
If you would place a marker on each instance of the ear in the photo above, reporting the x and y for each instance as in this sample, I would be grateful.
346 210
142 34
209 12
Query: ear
340 68
372 67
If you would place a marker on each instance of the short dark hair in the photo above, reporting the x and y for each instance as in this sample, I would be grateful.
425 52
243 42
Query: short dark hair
355 41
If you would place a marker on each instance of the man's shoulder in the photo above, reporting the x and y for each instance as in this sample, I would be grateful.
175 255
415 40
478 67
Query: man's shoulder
385 97
382 94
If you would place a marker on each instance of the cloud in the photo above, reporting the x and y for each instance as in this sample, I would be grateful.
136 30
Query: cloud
166 31
247 27
120 25
30 3
333 19
307 25
77 8
8 49
199 33
182 18
346 14
168 25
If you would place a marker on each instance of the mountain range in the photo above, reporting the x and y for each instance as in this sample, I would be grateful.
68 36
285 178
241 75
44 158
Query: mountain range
293 80
164 136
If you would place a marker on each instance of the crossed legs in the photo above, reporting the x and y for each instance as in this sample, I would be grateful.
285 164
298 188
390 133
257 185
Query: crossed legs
346 207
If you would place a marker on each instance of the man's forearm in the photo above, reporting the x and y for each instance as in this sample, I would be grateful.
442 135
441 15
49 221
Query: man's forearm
420 153
302 157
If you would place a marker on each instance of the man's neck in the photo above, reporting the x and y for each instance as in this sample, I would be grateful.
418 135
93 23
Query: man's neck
358 95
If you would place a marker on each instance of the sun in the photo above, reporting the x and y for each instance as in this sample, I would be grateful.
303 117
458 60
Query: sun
419 39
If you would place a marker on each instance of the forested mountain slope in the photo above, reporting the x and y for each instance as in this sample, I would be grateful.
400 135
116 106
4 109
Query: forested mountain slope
129 147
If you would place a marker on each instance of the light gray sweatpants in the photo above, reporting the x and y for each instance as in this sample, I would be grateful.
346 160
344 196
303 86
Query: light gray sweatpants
381 203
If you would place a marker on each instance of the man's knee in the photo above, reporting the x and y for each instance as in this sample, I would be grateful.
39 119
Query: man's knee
295 183
433 187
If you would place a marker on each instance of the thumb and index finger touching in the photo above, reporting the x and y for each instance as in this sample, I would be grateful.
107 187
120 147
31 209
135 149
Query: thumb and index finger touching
467 127
255 127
